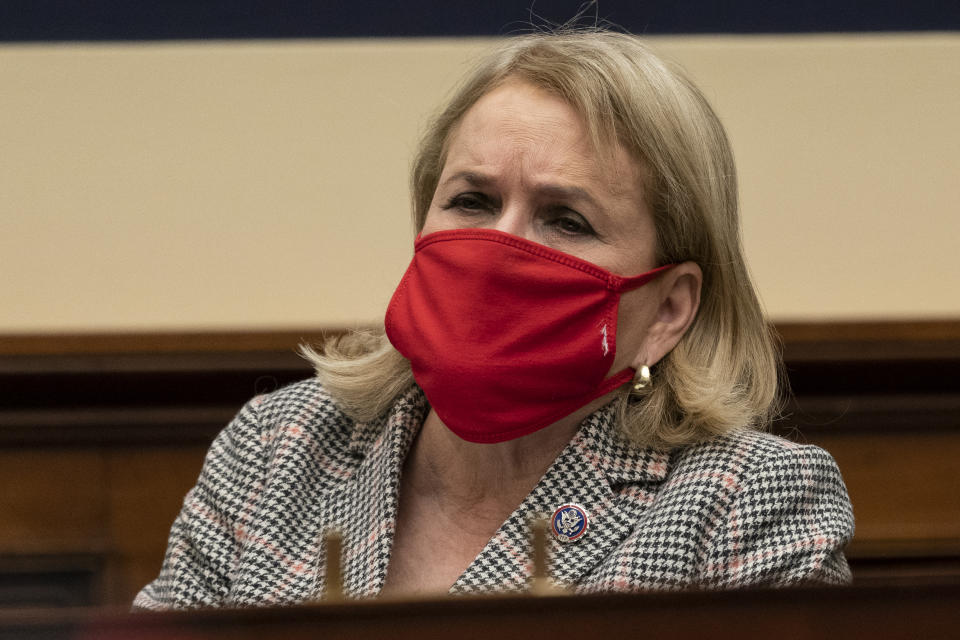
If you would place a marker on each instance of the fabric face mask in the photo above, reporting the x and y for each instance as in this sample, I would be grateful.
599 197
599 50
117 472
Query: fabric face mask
506 336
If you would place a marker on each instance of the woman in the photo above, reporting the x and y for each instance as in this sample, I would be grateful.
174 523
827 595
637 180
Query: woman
576 337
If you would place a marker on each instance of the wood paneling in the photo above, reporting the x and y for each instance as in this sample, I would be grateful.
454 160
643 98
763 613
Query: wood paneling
93 520
101 436
146 490
160 342
53 501
905 489
52 580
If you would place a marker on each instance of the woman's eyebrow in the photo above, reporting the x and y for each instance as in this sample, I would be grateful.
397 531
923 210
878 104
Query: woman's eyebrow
568 192
470 177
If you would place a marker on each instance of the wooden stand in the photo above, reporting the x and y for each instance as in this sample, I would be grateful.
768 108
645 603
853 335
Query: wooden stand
926 612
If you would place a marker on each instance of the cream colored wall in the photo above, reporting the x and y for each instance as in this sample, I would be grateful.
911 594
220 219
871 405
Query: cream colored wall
263 184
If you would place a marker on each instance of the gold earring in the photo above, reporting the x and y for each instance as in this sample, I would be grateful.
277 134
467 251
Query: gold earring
642 381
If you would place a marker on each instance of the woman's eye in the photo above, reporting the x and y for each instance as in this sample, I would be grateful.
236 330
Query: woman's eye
468 202
572 224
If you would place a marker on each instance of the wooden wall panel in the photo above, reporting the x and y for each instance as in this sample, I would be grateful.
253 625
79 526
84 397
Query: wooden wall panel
905 489
101 436
146 489
53 501
96 519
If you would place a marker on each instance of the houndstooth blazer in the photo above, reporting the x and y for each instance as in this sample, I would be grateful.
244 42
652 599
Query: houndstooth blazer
744 509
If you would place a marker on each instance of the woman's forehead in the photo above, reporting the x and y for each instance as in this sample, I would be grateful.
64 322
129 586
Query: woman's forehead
522 125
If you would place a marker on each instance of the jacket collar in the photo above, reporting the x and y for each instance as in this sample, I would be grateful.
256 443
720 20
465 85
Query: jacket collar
615 458
406 415
364 508
589 472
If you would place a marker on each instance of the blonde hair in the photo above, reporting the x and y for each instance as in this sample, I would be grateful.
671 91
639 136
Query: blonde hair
723 374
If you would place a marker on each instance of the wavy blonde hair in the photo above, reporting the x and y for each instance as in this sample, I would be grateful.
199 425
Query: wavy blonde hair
724 372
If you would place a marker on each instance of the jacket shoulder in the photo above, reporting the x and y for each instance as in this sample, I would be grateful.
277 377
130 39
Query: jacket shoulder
782 507
747 450
744 509
288 443
302 409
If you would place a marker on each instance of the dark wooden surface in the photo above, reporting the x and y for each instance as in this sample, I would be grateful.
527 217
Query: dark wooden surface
101 436
924 611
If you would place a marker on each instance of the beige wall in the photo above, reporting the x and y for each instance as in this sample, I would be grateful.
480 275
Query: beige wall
263 184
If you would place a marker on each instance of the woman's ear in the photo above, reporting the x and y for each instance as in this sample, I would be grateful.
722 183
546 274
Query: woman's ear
679 299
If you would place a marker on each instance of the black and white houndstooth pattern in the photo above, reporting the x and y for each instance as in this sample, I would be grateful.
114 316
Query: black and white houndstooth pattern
745 509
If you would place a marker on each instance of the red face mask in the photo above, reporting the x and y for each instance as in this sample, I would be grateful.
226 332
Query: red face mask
506 336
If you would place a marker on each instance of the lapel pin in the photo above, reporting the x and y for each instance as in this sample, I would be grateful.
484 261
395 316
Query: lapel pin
569 522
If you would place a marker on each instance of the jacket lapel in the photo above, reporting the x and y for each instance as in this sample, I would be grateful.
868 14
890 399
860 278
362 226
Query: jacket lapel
364 508
589 473
592 472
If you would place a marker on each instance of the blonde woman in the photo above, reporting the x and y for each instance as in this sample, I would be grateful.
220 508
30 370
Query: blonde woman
576 337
